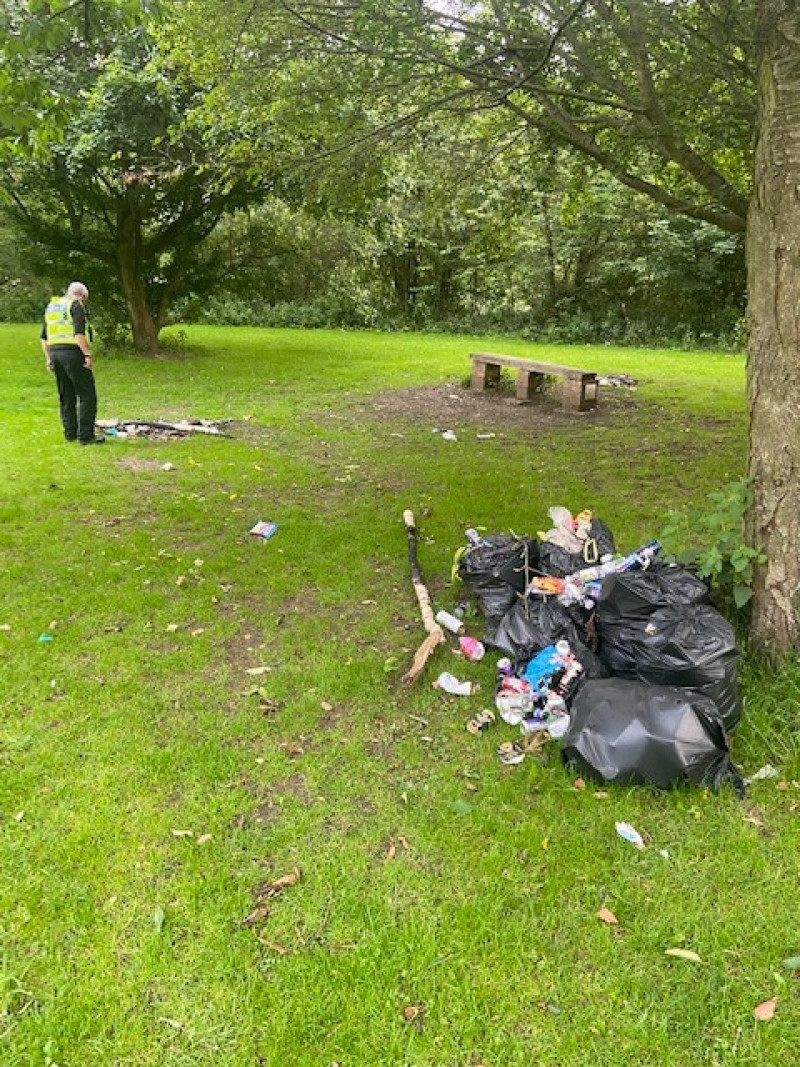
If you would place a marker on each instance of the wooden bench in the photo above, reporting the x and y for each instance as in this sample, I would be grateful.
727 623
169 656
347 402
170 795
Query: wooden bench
580 390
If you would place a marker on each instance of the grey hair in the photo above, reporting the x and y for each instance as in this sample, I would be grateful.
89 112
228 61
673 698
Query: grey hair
78 290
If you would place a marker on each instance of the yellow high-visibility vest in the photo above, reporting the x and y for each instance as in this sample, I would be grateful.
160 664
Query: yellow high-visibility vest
58 321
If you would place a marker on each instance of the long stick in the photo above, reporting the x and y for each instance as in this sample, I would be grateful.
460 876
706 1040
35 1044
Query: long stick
435 632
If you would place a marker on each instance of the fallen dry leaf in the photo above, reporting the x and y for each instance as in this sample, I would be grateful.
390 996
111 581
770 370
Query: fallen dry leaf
271 889
326 705
291 749
404 842
273 945
683 954
257 670
607 916
183 833
256 915
198 631
412 1012
579 784
204 838
765 1011
391 851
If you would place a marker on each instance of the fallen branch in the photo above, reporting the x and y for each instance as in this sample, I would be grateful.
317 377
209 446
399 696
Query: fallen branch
435 632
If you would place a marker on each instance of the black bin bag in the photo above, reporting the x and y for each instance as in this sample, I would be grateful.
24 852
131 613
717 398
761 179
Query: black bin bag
626 603
532 625
692 647
631 733
496 571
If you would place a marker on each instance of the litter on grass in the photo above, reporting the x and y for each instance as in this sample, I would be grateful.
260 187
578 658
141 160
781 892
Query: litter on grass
628 833
158 429
619 655
264 530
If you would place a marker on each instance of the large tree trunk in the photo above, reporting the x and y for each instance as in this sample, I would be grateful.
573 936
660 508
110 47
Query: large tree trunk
129 265
773 365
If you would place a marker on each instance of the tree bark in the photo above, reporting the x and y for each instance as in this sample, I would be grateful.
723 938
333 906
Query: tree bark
129 261
773 364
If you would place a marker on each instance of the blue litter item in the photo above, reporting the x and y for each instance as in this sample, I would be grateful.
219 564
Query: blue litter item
542 667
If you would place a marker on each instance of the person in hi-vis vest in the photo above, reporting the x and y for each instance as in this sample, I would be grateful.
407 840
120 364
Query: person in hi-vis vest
65 343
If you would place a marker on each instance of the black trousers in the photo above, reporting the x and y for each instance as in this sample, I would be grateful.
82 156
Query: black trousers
76 392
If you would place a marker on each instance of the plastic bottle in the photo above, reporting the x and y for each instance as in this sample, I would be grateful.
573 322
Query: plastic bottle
450 622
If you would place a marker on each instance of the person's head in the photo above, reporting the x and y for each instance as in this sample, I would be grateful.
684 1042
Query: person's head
77 290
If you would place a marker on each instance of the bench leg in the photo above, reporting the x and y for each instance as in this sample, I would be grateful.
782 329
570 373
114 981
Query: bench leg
528 383
484 374
588 397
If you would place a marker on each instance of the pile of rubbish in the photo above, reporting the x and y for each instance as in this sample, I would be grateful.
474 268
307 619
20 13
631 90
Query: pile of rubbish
159 430
620 657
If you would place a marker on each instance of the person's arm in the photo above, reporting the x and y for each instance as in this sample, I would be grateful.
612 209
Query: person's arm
46 349
79 318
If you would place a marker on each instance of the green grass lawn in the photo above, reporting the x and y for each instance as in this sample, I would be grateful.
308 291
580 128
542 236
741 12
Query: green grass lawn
151 789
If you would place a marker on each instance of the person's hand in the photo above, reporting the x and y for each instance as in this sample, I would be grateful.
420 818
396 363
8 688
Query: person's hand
87 362
49 364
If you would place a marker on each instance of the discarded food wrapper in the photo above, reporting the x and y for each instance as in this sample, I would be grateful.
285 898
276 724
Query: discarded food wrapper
767 771
45 637
448 683
472 648
480 722
627 833
448 435
264 530
511 753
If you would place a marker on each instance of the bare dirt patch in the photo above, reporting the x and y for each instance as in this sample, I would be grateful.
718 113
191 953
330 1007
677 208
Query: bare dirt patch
451 405
139 463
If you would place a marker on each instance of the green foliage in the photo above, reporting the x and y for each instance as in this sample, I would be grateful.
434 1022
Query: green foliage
713 544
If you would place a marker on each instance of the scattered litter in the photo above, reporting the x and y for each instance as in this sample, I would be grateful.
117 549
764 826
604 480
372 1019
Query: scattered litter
448 435
159 429
167 467
627 833
619 380
450 622
448 683
473 649
480 722
792 963
511 753
767 771
264 529
45 637
257 670
485 436
606 916
5 627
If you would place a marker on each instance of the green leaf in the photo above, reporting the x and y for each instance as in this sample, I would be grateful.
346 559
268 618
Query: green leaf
741 595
